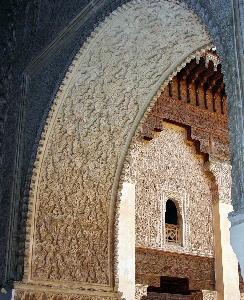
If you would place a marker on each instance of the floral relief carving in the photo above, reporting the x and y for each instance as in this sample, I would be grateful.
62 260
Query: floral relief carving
151 264
105 89
167 168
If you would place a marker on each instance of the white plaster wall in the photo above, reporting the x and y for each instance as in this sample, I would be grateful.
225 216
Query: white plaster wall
127 242
237 243
227 277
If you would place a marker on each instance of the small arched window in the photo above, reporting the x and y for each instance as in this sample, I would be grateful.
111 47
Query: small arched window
172 227
171 213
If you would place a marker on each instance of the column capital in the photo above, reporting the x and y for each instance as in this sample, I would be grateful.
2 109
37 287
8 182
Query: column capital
221 170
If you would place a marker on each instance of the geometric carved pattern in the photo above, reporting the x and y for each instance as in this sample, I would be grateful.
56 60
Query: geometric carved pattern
172 233
71 207
167 168
151 264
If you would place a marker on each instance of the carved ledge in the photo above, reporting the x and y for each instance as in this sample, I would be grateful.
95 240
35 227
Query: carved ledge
41 292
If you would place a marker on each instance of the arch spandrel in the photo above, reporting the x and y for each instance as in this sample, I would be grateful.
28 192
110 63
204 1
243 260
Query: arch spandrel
90 126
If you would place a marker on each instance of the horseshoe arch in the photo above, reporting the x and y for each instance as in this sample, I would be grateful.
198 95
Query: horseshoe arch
107 91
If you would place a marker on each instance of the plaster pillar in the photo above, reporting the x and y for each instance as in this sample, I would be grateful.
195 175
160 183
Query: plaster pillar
226 264
237 236
127 242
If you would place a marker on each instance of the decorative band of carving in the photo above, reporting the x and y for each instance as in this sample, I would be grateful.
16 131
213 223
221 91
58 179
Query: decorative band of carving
37 292
151 264
172 234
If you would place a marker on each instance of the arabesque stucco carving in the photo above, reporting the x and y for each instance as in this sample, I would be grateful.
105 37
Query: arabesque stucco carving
71 224
152 264
222 173
165 168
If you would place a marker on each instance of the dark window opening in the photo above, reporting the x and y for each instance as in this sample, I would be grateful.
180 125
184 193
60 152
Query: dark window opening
171 213
171 285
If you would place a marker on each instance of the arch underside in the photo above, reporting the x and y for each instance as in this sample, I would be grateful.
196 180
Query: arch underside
115 77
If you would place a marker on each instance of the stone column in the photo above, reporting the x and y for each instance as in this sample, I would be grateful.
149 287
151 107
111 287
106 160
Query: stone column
236 117
127 242
226 264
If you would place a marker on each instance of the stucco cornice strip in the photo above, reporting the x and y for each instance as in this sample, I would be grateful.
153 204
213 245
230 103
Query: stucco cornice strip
63 291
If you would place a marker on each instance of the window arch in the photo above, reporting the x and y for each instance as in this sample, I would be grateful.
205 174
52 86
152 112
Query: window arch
172 223
171 213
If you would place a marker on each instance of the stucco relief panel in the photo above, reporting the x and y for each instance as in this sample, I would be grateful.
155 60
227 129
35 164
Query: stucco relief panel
105 88
168 168
152 264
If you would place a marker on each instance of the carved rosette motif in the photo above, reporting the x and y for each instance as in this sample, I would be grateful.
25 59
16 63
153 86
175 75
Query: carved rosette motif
167 168
100 103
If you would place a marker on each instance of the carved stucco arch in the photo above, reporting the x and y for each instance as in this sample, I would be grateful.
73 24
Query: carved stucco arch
108 90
